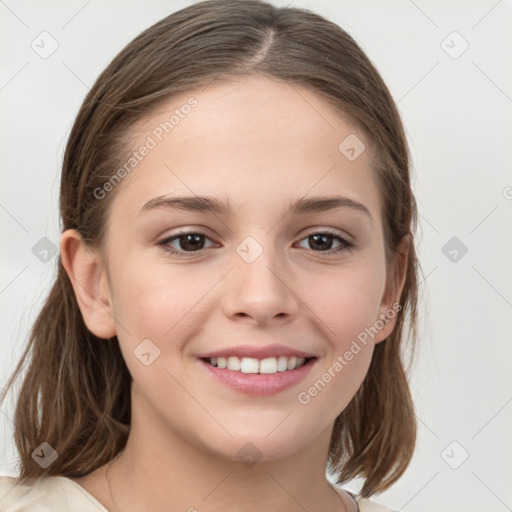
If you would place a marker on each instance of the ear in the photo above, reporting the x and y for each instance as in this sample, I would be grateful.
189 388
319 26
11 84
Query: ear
89 278
390 306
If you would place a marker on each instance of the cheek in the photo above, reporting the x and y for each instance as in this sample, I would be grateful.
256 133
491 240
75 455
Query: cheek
347 303
154 315
158 301
346 310
348 300
153 307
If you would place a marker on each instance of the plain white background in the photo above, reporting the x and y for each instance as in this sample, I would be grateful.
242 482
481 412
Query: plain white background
456 103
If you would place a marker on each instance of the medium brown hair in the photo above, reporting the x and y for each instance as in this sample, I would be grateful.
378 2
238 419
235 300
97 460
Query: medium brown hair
75 394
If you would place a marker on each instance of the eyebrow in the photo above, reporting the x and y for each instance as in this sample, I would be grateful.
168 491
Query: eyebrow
302 206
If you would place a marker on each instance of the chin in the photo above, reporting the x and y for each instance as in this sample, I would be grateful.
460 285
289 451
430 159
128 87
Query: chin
250 447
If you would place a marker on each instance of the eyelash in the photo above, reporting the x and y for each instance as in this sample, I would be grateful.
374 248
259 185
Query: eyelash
347 245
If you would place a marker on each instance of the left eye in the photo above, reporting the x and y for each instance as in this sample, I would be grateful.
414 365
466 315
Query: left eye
193 242
323 239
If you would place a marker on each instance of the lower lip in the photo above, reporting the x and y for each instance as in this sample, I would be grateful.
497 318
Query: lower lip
259 384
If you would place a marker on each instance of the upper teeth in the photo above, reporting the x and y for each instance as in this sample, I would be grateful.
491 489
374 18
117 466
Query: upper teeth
251 365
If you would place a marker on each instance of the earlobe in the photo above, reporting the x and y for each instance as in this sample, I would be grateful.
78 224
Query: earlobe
89 279
390 306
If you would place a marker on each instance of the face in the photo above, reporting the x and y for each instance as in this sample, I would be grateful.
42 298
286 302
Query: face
184 283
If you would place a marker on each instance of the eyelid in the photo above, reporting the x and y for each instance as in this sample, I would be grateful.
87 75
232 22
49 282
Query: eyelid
316 230
331 231
174 236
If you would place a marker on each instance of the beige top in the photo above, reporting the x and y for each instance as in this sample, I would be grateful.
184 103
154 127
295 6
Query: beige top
61 494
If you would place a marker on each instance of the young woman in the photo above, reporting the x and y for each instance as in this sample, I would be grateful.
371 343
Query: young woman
236 265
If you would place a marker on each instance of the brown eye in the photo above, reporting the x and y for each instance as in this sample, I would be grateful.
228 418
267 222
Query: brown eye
186 242
323 242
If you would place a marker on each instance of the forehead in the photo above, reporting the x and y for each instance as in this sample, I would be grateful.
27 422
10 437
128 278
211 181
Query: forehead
250 109
249 139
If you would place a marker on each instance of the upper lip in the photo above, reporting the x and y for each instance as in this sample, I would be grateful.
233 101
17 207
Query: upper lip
257 352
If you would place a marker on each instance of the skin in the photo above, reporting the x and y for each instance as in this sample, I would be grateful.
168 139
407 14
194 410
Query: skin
262 144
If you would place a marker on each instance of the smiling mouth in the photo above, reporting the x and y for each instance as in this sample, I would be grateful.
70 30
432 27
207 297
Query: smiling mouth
267 366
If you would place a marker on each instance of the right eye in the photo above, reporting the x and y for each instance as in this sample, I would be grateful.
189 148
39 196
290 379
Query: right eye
190 241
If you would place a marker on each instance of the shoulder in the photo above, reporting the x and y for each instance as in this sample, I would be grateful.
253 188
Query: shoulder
60 494
45 494
367 505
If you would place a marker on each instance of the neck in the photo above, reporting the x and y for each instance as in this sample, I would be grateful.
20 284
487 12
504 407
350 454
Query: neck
159 469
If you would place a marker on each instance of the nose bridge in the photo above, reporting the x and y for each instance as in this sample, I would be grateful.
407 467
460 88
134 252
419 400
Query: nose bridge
259 286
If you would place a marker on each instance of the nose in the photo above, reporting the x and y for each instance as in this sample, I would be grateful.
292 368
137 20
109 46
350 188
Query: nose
261 291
